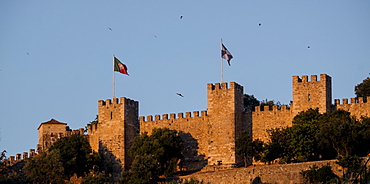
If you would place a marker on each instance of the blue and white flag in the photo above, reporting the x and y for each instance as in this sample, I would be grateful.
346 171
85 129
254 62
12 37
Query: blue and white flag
225 54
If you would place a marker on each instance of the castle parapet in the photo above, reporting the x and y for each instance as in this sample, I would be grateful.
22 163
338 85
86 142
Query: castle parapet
19 157
12 159
274 108
172 116
358 100
114 101
25 155
224 86
304 79
92 128
32 152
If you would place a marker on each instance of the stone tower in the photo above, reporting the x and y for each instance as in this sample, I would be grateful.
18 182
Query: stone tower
225 109
53 130
312 94
118 125
50 132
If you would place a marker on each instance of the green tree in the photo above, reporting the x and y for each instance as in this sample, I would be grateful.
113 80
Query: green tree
339 130
3 166
47 167
269 103
154 155
245 147
295 143
145 169
351 164
100 178
302 142
363 89
277 146
11 173
309 115
76 155
94 122
364 136
319 175
250 101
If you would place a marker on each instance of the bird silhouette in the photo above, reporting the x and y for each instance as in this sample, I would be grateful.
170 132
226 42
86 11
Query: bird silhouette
179 94
181 17
308 47
110 29
259 24
28 53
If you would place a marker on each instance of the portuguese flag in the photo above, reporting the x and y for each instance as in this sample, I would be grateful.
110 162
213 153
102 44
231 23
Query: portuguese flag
120 67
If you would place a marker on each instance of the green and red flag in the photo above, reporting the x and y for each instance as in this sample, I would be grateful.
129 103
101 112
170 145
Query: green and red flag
120 67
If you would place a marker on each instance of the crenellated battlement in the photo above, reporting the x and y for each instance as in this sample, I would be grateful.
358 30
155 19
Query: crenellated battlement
304 79
357 100
114 101
359 107
172 116
19 157
209 135
92 128
312 93
266 118
223 86
274 108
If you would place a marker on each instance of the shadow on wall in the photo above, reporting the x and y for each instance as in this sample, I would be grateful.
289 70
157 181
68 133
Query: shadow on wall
110 163
192 160
256 180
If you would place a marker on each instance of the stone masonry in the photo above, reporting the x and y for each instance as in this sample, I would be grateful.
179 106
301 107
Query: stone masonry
209 136
117 128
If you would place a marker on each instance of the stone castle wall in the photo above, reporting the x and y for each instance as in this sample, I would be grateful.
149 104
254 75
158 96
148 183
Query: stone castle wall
279 174
265 119
51 131
192 128
210 135
202 132
117 128
311 94
225 111
356 106
19 157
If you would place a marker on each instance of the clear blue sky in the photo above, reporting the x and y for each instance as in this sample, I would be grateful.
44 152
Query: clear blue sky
56 56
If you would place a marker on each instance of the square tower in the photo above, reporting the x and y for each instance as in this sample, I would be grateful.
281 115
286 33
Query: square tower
312 94
49 132
225 109
118 125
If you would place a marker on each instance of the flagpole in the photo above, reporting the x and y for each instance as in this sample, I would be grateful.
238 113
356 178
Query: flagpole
113 80
221 65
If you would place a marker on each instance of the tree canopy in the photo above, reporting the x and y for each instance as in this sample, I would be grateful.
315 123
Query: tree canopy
250 101
154 155
75 153
45 168
363 89
245 147
314 136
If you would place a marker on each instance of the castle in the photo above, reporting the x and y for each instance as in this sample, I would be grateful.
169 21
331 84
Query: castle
209 136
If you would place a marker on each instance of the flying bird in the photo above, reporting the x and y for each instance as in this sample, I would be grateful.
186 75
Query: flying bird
155 36
259 24
110 29
179 94
181 17
308 47
28 53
